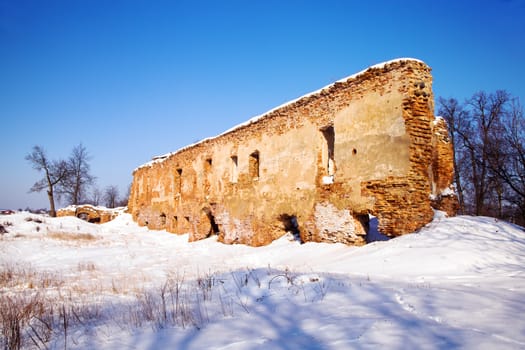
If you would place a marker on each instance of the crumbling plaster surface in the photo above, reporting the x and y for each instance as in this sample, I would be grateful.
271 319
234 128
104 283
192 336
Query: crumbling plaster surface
364 145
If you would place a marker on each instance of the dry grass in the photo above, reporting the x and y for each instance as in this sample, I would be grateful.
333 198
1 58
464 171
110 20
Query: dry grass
68 236
86 266
12 276
42 310
23 316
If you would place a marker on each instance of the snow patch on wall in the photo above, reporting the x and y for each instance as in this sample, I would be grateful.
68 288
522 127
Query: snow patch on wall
327 180
449 191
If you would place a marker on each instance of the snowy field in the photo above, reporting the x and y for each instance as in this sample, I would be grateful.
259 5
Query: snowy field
457 283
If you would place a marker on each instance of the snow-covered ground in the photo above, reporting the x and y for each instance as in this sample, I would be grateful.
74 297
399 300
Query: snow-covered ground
457 283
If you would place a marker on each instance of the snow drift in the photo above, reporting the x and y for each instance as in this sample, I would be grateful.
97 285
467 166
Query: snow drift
457 283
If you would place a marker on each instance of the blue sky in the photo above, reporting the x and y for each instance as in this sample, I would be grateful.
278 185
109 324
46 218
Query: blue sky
134 79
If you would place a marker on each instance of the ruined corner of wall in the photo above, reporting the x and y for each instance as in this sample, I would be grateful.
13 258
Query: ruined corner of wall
443 196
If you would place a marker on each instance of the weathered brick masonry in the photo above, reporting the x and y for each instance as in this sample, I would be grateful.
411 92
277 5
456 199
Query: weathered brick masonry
368 144
90 213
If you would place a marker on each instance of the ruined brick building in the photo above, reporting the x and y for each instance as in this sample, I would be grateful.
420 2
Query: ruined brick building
319 165
90 213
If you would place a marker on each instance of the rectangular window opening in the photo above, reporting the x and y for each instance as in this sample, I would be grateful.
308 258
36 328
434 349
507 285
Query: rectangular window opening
328 149
207 165
234 169
178 181
253 165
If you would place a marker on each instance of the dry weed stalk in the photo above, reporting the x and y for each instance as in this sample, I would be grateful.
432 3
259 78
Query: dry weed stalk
54 309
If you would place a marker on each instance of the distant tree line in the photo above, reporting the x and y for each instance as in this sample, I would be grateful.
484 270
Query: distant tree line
70 180
488 135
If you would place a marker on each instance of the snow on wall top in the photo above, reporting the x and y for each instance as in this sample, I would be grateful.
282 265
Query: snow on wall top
162 158
73 207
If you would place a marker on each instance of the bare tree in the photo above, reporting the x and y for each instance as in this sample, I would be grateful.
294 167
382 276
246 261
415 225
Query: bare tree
111 196
508 161
487 112
96 196
55 171
488 133
75 186
124 200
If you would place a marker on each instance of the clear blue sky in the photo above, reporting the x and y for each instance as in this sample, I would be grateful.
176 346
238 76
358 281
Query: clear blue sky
134 79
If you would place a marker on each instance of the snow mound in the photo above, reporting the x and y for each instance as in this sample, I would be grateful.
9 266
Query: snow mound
457 283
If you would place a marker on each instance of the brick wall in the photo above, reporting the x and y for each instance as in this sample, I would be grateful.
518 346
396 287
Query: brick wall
318 165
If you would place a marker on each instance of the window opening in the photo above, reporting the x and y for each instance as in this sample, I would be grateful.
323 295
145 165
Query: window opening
207 165
178 181
234 169
253 165
291 225
329 136
214 228
163 220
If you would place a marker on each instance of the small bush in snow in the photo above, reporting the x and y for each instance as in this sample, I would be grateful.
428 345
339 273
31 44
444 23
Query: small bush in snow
31 219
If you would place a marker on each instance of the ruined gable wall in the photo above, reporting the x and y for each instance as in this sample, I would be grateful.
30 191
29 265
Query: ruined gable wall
379 161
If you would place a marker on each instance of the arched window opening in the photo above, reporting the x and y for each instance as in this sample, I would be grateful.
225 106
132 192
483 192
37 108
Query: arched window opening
214 228
291 225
